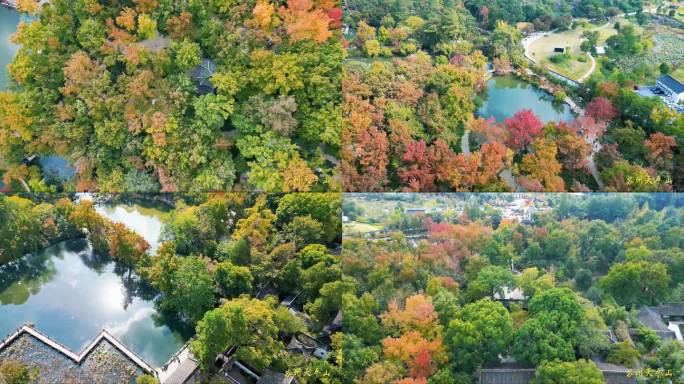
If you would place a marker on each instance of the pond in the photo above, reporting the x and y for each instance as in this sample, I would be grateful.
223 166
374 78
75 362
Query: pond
56 167
9 19
71 294
506 95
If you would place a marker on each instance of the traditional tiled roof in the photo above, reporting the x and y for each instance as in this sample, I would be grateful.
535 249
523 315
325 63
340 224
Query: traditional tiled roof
514 373
670 310
672 83
649 317
202 75
105 360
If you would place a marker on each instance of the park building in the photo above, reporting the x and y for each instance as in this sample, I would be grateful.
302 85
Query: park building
666 320
673 88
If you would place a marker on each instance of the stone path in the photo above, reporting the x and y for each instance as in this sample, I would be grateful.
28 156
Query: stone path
179 368
465 142
591 164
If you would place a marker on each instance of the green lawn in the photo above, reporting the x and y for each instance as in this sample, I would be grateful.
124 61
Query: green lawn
679 74
679 15
542 49
356 227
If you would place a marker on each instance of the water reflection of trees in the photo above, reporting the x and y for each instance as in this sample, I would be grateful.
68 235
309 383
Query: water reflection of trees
175 324
26 276
155 204
94 260
134 285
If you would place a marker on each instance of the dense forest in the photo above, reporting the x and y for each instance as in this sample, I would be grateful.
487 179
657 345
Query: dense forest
159 95
418 73
431 309
29 226
225 263
545 14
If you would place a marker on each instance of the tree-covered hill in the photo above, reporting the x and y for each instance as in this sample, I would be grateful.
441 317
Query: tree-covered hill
159 95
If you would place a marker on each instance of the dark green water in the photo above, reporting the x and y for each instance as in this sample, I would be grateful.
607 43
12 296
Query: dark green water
506 95
9 20
71 294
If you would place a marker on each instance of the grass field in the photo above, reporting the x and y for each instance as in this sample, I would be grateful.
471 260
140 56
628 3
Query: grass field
679 74
679 14
609 31
542 49
355 227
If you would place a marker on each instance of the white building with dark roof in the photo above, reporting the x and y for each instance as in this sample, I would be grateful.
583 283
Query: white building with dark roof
672 87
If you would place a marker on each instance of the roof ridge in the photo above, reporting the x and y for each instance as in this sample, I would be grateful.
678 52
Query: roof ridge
78 358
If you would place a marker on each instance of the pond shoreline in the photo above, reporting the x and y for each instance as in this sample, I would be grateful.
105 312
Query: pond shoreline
41 249
71 292
544 97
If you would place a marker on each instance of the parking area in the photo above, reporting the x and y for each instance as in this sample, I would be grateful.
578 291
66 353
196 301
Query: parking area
653 91
649 91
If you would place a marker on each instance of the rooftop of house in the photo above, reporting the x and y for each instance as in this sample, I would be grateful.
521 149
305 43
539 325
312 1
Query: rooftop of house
307 345
669 310
105 360
516 373
654 318
650 318
235 372
202 75
515 294
672 83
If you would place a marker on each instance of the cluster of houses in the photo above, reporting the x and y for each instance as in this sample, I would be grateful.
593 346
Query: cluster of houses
522 209
666 320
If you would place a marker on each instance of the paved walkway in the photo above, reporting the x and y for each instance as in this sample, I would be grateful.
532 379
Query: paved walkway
591 70
507 176
591 164
179 367
465 142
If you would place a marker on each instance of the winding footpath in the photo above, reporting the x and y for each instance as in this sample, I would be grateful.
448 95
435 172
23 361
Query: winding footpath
506 175
465 142
591 164
591 70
